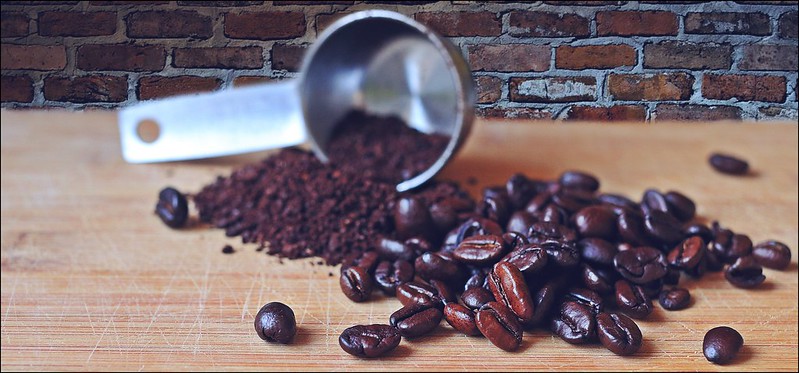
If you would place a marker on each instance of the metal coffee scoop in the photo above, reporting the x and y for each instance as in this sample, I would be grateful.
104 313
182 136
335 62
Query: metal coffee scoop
376 61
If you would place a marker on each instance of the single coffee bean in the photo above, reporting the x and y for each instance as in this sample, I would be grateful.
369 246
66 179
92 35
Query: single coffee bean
772 254
553 214
412 218
530 259
508 286
562 254
367 260
514 240
597 251
496 208
632 229
461 319
579 180
544 300
520 221
739 245
672 277
438 266
712 262
390 275
728 164
745 273
574 323
688 253
443 291
721 344
539 202
476 298
586 297
445 213
681 207
520 190
416 320
356 284
480 250
476 280
369 340
618 333
415 292
698 229
275 322
389 249
654 200
663 227
652 289
595 221
545 231
617 200
632 300
172 207
596 280
675 299
573 200
499 325
641 264
478 226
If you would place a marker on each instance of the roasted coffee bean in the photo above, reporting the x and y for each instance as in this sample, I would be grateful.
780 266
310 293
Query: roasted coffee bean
579 180
641 264
728 164
672 277
654 200
514 240
618 333
574 323
369 340
553 214
595 221
496 208
745 273
390 275
476 280
478 226
652 289
617 200
412 219
414 292
772 254
438 266
544 299
586 297
461 319
688 253
632 229
663 227
445 213
520 190
443 291
275 322
508 286
499 325
480 250
712 263
530 259
721 344
172 207
367 260
573 200
562 254
597 251
632 300
674 299
356 284
520 221
596 280
539 202
416 320
544 231
698 229
680 206
389 249
476 298
728 247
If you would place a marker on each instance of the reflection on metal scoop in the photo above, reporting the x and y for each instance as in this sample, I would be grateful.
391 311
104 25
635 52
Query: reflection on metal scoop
376 61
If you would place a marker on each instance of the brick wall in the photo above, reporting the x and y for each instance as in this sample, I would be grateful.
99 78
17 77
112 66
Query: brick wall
589 60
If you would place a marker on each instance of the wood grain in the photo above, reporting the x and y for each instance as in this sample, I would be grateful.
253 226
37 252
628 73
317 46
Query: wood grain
92 280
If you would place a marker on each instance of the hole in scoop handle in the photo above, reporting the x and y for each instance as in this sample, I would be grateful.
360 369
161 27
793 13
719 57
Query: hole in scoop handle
233 121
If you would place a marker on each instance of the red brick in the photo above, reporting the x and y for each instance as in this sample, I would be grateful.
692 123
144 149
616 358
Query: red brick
245 80
727 23
776 113
682 112
541 24
40 2
83 89
769 57
32 57
16 89
553 89
77 23
462 23
219 58
14 25
489 89
514 113
124 57
509 57
169 24
619 113
265 25
126 3
287 57
151 87
650 87
744 87
594 56
672 54
220 3
629 23
788 28
325 20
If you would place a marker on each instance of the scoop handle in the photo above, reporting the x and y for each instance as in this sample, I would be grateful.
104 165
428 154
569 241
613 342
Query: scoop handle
232 121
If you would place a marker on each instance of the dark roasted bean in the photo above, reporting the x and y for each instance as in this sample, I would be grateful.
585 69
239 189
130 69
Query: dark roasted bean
275 322
544 231
728 247
698 229
389 249
632 229
412 219
529 259
563 254
356 284
480 250
663 227
415 292
478 226
544 299
539 202
595 221
508 286
438 266
520 221
688 253
586 297
596 280
579 180
498 324
652 289
574 323
672 277
721 344
475 298
461 318
172 207
654 200
443 291
514 239
641 264
728 164
445 213
496 208
632 300
520 190
680 206
597 251
772 254
416 320
618 333
712 263
573 200
367 260
552 213
745 273
617 200
369 340
674 299
390 275
476 280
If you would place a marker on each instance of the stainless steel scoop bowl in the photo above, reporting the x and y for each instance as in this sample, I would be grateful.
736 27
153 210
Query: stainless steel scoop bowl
376 61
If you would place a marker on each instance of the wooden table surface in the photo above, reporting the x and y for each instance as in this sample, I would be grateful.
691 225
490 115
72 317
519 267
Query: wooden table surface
92 280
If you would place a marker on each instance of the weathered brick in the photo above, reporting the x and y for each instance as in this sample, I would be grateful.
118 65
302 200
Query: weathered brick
672 54
40 2
541 24
221 3
620 113
124 57
462 23
553 89
287 57
244 80
14 24
650 87
151 87
769 57
594 56
169 24
322 2
585 3
744 87
126 3
682 112
514 113
219 58
77 23
509 57
265 25
489 89
788 28
32 57
83 89
16 89
777 113
629 23
325 20
727 23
